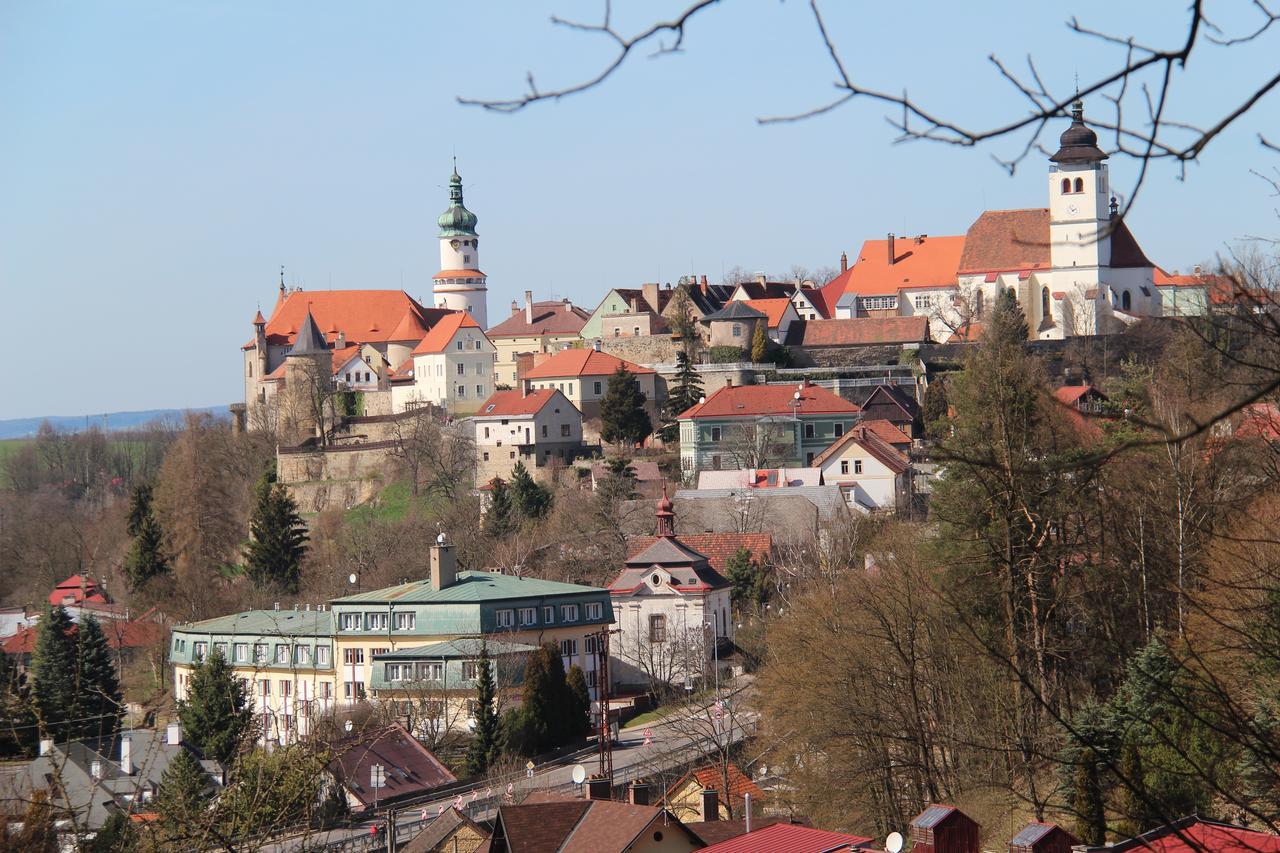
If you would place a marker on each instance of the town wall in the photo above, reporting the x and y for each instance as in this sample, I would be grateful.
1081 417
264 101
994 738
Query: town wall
644 349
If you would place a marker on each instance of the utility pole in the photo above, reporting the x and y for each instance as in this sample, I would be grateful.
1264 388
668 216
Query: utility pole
391 830
604 739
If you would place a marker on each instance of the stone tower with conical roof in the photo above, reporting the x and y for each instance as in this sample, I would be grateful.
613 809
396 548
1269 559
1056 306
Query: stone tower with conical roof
308 373
460 285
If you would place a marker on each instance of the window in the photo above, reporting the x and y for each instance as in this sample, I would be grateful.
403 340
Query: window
260 652
617 331
1126 301
808 460
199 650
399 672
373 652
528 615
716 433
375 621
857 466
548 615
431 671
924 300
322 655
544 430
353 656
459 348
569 613
486 432
477 346
506 618
596 387
1066 185
486 456
240 652
715 463
266 687
844 466
470 670
349 621
839 429
878 303
979 302
635 331
657 628
353 690
569 648
593 610
479 391
809 431
282 653
565 430
737 330
326 690
286 689
406 621
1079 185
302 655
591 645
462 368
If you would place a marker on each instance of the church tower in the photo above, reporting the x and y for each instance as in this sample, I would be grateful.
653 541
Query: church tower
1079 209
460 285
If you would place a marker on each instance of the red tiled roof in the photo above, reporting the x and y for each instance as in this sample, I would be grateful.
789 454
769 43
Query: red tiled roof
885 431
553 318
1194 834
410 767
342 356
774 309
1069 394
885 452
364 316
709 778
716 547
513 403
858 331
78 588
581 362
442 332
931 262
458 274
1164 279
789 837
825 298
120 635
755 400
410 328
1007 240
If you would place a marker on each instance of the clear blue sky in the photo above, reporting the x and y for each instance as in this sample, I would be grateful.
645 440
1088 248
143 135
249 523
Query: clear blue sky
160 160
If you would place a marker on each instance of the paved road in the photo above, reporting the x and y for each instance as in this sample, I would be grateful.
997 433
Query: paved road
676 740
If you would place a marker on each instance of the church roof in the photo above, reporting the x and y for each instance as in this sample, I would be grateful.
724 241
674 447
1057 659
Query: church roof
921 261
1009 240
308 341
364 316
666 551
1078 143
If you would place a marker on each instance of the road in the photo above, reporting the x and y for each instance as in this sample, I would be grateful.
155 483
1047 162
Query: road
675 740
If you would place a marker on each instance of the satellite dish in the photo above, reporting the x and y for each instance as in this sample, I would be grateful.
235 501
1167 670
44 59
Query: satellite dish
797 395
701 400
351 578
893 843
440 539
579 774
347 725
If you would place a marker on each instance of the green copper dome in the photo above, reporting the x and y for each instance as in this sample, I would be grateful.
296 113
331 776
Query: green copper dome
457 221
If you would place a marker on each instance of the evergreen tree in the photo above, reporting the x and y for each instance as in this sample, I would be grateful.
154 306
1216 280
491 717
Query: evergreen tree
579 715
101 701
145 559
543 721
486 745
499 518
278 537
748 579
17 711
1088 800
623 419
184 797
760 342
54 674
215 716
117 835
683 393
529 499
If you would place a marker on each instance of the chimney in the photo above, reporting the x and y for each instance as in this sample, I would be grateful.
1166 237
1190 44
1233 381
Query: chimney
126 755
844 262
651 294
892 255
703 284
761 278
95 769
341 341
515 308
728 382
599 788
746 811
528 307
638 794
173 734
568 306
920 239
444 564
46 745
710 804
595 345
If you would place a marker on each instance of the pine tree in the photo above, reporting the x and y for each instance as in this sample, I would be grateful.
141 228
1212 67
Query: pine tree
1088 801
139 508
278 537
215 716
499 519
183 798
486 746
53 674
529 499
579 715
116 835
146 556
683 393
623 419
543 721
101 701
760 342
747 578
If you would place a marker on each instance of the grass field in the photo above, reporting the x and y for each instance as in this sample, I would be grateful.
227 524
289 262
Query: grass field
393 504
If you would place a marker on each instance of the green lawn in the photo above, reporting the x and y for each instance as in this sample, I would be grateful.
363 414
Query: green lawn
667 710
392 504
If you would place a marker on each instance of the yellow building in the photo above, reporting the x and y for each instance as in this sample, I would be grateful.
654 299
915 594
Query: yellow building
537 328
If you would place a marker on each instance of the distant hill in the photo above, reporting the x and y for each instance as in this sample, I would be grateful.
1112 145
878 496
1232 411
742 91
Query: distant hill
114 421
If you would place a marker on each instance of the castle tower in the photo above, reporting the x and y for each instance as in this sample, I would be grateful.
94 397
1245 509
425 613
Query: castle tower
308 373
460 285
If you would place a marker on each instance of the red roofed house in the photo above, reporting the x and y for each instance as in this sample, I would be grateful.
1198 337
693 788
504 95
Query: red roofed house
451 367
537 328
779 313
685 797
761 426
127 638
792 838
873 475
76 590
540 428
1193 834
582 375
408 768
672 609
1074 266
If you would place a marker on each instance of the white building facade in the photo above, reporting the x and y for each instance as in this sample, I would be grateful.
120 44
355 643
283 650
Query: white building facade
460 285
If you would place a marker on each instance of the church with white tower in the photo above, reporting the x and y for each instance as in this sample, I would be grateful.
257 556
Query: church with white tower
460 285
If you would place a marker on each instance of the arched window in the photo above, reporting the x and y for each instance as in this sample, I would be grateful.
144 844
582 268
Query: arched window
1066 185
978 300
1044 303
1079 185
1126 301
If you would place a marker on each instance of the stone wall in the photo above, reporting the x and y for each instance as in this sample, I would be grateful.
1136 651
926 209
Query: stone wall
321 479
645 349
859 356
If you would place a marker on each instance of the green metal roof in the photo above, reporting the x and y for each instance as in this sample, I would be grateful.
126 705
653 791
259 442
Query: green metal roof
470 587
266 623
466 648
457 221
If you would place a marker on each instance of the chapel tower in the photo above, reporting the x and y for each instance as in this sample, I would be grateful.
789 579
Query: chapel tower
460 285
1079 206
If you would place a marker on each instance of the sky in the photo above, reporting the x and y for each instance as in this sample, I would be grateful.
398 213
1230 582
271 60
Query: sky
159 161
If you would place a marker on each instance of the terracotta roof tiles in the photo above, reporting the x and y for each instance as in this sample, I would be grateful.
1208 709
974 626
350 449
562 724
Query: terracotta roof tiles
551 318
858 331
442 333
918 262
756 400
774 309
514 403
581 362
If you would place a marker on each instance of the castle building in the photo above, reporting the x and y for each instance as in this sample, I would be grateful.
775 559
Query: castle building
460 285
